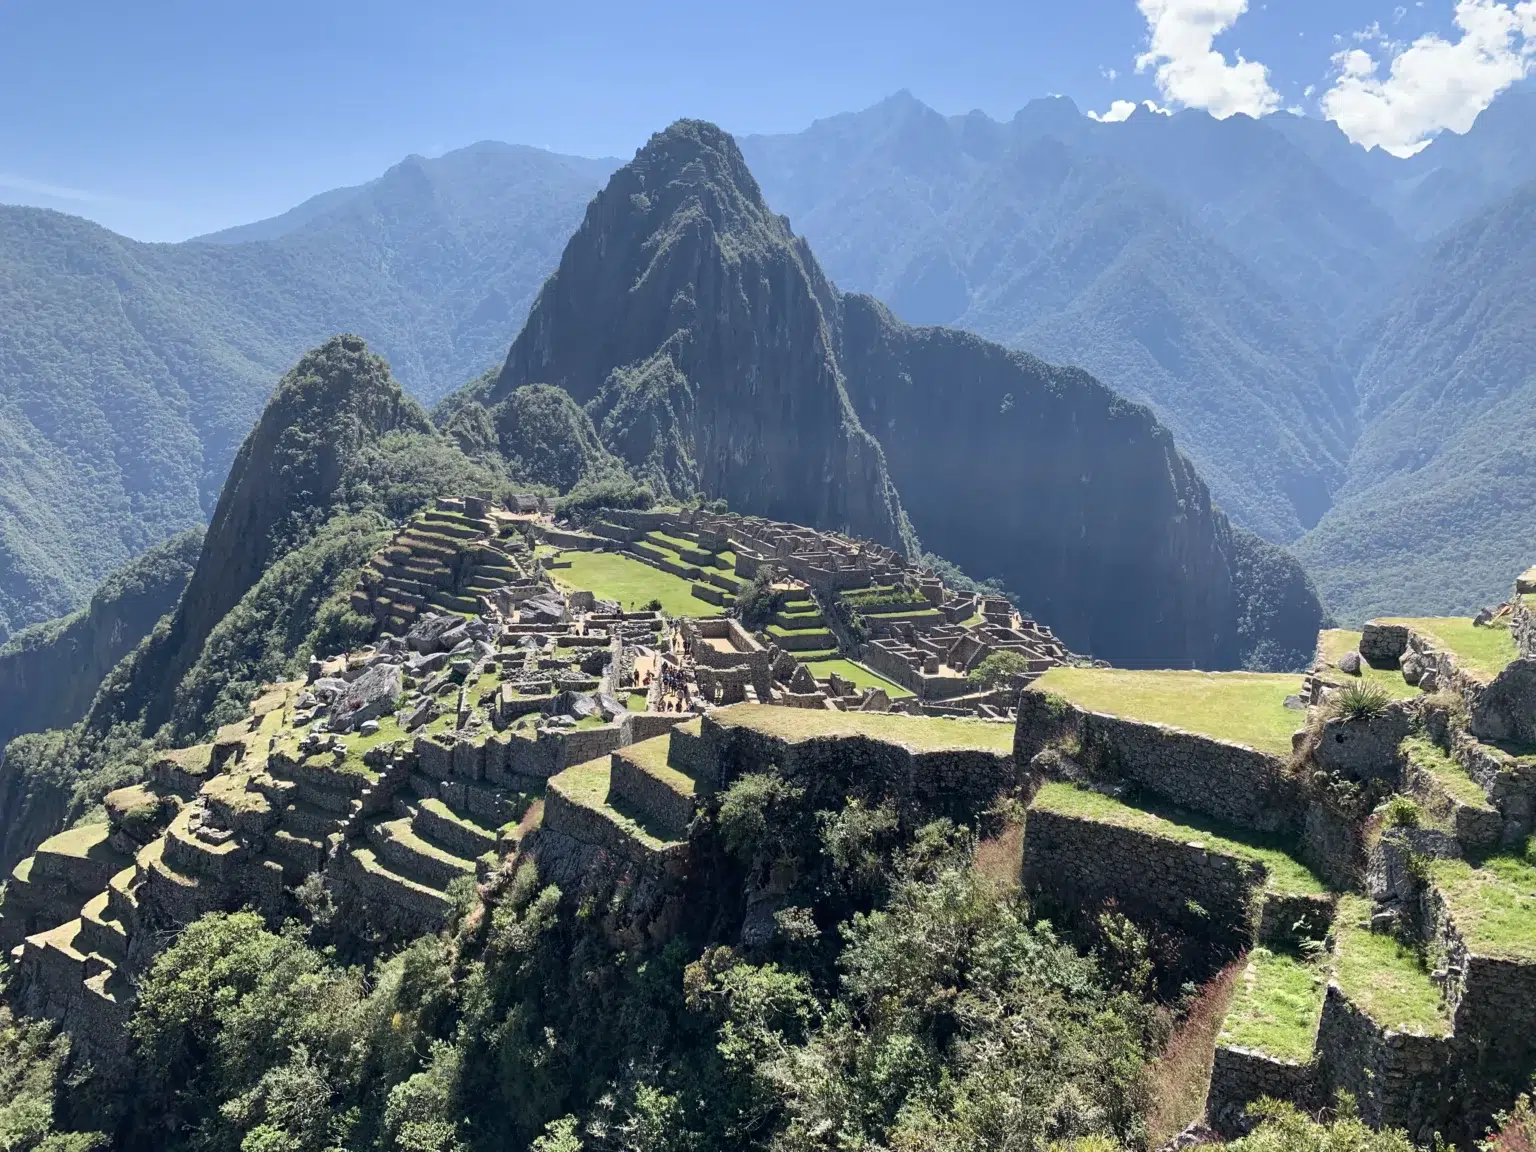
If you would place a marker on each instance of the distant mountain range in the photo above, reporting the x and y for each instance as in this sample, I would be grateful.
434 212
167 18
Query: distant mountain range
1259 283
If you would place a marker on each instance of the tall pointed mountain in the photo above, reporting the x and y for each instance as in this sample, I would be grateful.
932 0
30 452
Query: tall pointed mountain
715 357
687 318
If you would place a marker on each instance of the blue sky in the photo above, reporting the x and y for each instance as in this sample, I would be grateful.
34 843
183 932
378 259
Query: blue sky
167 118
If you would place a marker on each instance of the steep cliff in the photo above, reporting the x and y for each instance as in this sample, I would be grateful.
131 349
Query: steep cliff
714 356
687 320
49 672
1076 498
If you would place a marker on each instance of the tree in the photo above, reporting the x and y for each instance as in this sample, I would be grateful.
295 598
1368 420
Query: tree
999 669
758 602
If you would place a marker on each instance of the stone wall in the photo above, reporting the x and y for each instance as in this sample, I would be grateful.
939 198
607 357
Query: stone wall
1225 781
1075 865
1240 1077
1398 1080
958 784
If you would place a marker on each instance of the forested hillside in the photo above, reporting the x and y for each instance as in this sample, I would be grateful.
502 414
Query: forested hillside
133 371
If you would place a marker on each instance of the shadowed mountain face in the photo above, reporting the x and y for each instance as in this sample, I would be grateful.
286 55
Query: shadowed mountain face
1196 265
714 357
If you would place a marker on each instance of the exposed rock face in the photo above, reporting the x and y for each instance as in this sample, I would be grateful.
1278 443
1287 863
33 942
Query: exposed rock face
714 357
688 319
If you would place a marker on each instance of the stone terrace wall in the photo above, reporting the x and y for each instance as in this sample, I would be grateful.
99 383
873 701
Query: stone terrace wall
959 784
1225 781
1075 864
1240 1077
1398 1080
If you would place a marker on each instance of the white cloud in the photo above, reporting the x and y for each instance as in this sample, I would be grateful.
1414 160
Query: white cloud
1122 109
1188 68
1433 83
50 191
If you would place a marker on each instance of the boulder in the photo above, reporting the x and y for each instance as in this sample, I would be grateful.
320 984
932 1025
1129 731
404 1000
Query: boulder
544 609
609 706
423 665
1506 709
1349 663
1412 666
455 637
425 636
371 695
1364 749
1429 681
1383 645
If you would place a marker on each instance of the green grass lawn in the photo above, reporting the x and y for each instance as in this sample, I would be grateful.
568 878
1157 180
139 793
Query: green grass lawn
1493 907
613 576
1482 652
1384 978
919 733
1286 873
1332 643
1277 1006
1243 707
637 701
860 675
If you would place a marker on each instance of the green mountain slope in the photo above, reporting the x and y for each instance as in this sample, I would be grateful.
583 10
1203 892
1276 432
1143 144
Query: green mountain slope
50 672
1440 504
130 373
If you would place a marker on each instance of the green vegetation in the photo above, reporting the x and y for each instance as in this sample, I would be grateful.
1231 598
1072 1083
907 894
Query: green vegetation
1333 643
999 669
49 672
614 576
1358 700
1384 978
1493 905
1444 770
1286 873
1278 1003
1285 1128
919 733
1243 707
1481 651
861 676
32 1064
757 602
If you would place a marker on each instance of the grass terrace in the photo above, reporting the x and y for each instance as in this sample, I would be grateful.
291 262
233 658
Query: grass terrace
1286 873
917 733
1493 906
860 675
1276 1009
1241 707
587 785
1481 652
1451 777
1383 977
1332 643
613 576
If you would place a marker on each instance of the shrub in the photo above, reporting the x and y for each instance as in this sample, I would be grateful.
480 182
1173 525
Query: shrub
1359 700
757 603
999 669
1402 812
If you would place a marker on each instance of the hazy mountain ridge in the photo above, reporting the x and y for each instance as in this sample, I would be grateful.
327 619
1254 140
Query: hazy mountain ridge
1030 233
131 372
